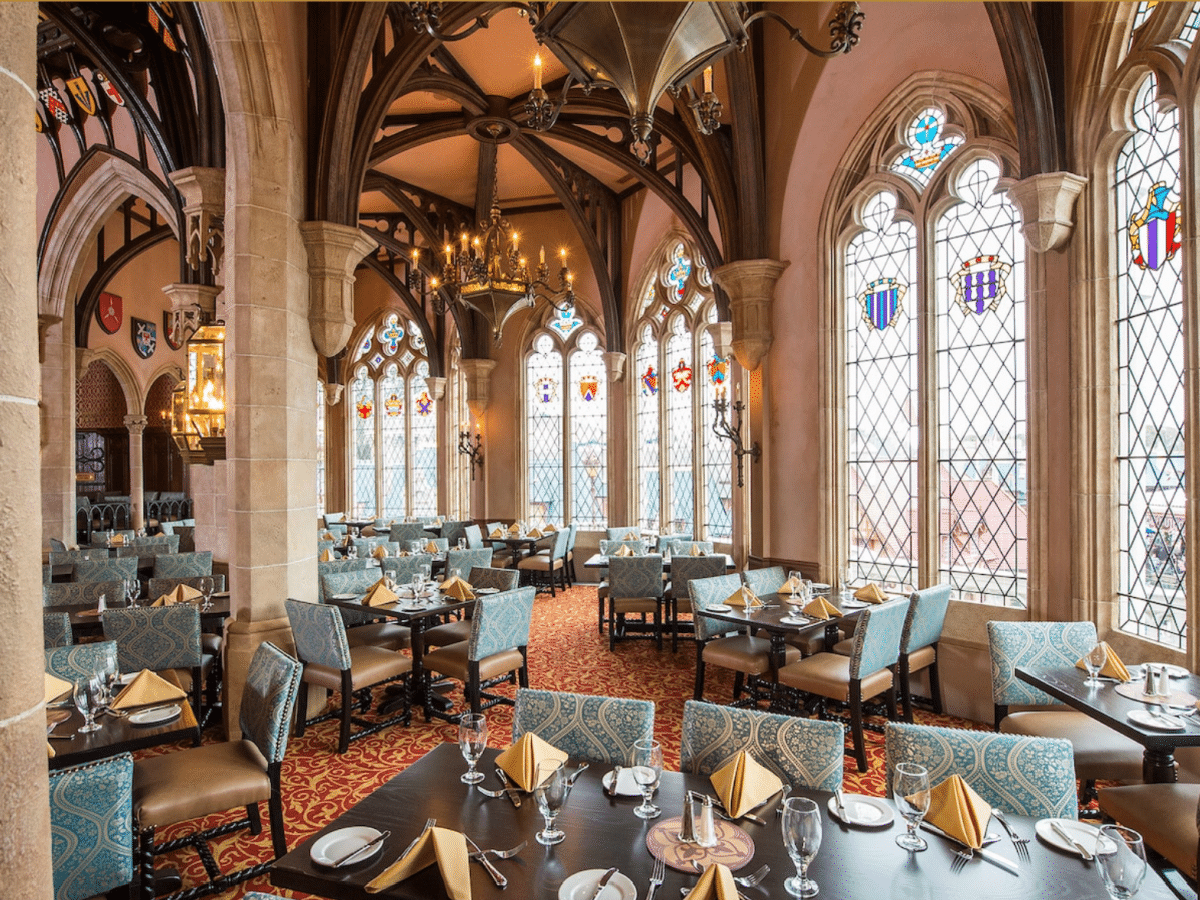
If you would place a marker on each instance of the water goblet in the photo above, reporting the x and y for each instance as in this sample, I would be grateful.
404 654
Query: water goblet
352 551
135 591
551 793
107 676
472 739
207 585
802 838
794 579
416 586
87 701
647 768
426 571
414 546
1122 858
462 543
844 581
910 791
1094 660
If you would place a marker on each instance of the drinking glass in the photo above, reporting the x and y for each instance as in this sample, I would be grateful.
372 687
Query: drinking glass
910 791
206 591
107 676
1094 660
802 838
551 793
426 571
794 578
844 581
472 739
1122 859
416 586
87 701
414 546
647 768
133 590
462 543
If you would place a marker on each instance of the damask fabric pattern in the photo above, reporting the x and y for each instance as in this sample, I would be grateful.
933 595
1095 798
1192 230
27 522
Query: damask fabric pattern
462 561
765 581
474 535
666 540
319 634
618 534
356 581
91 827
684 547
269 700
61 557
1033 645
182 565
595 728
685 569
81 661
1028 776
501 622
403 568
340 565
322 546
877 638
56 630
157 544
83 593
155 637
608 548
156 587
635 576
366 546
500 579
706 592
106 569
926 615
403 532
803 752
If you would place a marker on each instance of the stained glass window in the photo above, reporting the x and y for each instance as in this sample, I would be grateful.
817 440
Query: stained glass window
646 392
564 322
677 275
362 468
1188 33
588 431
928 144
393 446
1144 8
718 452
320 448
423 428
679 425
544 431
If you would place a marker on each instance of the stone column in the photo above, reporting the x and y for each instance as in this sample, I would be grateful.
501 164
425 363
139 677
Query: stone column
750 284
57 337
137 493
25 860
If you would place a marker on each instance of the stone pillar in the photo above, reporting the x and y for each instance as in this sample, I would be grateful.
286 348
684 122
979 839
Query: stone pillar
137 493
750 284
25 860
58 428
333 253
479 384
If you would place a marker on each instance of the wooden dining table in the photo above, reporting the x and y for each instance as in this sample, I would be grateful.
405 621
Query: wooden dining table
85 622
853 863
115 735
770 616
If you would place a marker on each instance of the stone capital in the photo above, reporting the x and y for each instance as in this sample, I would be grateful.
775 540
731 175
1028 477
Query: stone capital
614 363
1047 205
203 191
191 306
479 384
750 285
436 386
46 321
333 394
135 424
722 337
333 253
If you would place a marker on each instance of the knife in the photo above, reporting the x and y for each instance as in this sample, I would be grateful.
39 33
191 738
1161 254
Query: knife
507 782
611 790
344 860
603 882
1062 833
994 858
841 808
497 875
571 779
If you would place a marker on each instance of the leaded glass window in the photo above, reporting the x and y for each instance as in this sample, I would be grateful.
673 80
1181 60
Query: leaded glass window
718 452
423 430
544 430
393 446
1188 33
320 448
588 431
927 145
646 393
679 396
362 466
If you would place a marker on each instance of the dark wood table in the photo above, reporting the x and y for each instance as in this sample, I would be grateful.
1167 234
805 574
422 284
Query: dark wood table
1105 705
600 561
769 619
518 543
115 736
852 864
85 622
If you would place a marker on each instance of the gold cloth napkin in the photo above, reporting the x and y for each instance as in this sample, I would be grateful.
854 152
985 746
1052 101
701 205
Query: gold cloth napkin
743 784
696 551
624 550
379 594
326 555
56 687
49 750
715 884
521 760
431 547
497 533
872 593
145 689
380 552
550 529
1113 667
514 528
441 845
534 533
744 597
630 536
820 608
118 540
181 594
459 590
960 812
328 536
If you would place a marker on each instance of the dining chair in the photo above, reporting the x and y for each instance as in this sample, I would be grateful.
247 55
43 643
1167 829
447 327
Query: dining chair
56 630
587 727
63 557
156 587
330 662
866 673
47 573
685 546
182 565
619 534
684 569
805 753
83 593
56 544
474 535
323 546
403 532
342 565
364 627
161 638
460 629
919 643
635 586
202 781
156 544
91 828
365 546
1167 816
453 529
1026 776
664 541
403 568
81 661
551 567
609 548
765 581
442 543
497 648
117 569
460 562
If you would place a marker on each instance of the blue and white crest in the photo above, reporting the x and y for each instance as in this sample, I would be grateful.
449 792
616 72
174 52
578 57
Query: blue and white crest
145 337
979 284
882 302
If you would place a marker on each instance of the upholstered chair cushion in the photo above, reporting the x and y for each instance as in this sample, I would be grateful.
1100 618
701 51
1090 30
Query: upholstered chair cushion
765 581
501 622
706 592
56 630
319 635
231 774
83 593
828 674
1033 645
1164 815
596 728
368 665
500 579
454 660
926 616
155 638
268 697
403 568
618 534
81 661
106 569
1100 752
460 562
403 532
91 827
686 568
182 565
636 578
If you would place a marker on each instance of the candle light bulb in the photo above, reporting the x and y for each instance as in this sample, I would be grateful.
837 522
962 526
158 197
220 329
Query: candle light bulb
708 80
416 255
537 72
515 242
542 255
463 242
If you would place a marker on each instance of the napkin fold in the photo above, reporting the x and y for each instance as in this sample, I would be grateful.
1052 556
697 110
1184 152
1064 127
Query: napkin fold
521 760
328 536
461 590
145 689
742 784
326 555
955 808
624 550
744 597
514 528
118 540
792 584
56 687
549 529
872 593
1113 667
630 536
535 533
820 608
695 551
182 593
379 594
431 547
443 846
715 884
380 552
497 533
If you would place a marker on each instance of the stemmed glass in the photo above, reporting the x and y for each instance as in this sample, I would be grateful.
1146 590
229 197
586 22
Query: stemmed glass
551 793
462 543
1122 858
802 838
426 571
87 701
1094 660
352 551
647 768
133 588
107 676
910 791
844 582
472 739
206 591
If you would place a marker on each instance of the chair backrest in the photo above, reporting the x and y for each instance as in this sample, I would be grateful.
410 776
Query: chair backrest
558 546
91 827
157 544
684 547
402 532
635 577
598 729
341 565
618 534
106 569
155 637
187 537
1028 776
706 592
806 753
500 579
183 565
269 699
1033 645
319 634
492 526
365 545
474 535
926 615
83 593
47 573
156 587
501 622
322 546
403 568
81 661
60 557
877 637
666 540
56 544
337 528
608 548
765 581
354 581
453 529
56 630
686 568
460 562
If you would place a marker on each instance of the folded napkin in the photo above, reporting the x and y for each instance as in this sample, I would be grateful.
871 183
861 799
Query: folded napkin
56 687
744 597
534 533
743 784
497 533
792 584
460 591
550 529
369 531
380 552
145 689
328 536
820 608
1113 667
630 536
872 593
521 760
49 750
118 540
696 551
623 550
326 555
379 594
715 884
960 812
431 547
441 845
514 528
182 593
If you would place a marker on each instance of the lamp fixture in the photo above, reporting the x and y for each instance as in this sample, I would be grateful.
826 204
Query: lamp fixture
733 433
198 402
474 451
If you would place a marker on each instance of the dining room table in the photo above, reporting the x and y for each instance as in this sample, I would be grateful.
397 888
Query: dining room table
854 862
86 620
600 561
521 545
117 733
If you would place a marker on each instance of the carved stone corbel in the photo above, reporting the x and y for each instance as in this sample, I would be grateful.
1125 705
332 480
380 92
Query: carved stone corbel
436 386
479 384
1047 205
333 253
46 321
750 284
203 191
722 337
614 364
192 305
333 394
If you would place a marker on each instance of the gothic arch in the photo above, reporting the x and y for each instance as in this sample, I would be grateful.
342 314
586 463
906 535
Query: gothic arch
135 397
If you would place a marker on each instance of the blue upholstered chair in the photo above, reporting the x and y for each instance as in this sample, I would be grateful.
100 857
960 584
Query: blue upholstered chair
599 729
461 562
1027 776
157 544
551 567
488 577
183 565
474 535
608 548
342 565
56 630
365 546
866 673
62 557
442 543
664 541
453 529
635 586
572 535
806 753
918 643
403 568
330 662
200 781
159 638
119 569
56 544
47 573
156 587
765 581
323 546
619 534
364 627
91 827
684 546
83 593
460 629
683 570
81 661
403 532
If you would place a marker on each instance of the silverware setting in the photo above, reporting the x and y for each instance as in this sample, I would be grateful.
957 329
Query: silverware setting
502 854
429 823
1020 844
656 877
480 857
513 795
574 776
611 790
348 857
1080 848
966 853
488 792
752 880
719 809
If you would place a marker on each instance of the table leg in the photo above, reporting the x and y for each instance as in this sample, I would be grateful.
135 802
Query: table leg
778 653
831 635
1158 766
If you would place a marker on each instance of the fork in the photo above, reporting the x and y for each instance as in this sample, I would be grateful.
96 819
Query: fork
751 880
656 877
503 854
488 792
1020 844
961 858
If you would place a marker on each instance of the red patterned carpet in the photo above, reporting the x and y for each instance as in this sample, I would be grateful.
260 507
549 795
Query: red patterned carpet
565 653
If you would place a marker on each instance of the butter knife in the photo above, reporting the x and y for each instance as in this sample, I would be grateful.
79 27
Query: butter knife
1062 833
611 790
603 882
481 858
507 782
841 807
994 858
345 860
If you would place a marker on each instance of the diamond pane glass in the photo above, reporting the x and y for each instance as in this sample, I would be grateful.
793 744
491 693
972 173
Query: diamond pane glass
393 449
320 448
1152 512
718 452
362 430
589 434
423 430
680 437
982 520
881 397
647 431
928 145
544 431
1188 32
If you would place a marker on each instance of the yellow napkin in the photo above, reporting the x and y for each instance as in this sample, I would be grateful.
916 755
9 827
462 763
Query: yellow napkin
550 529
497 533
379 594
514 528
182 594
744 597
326 555
630 536
624 550
380 552
328 536
872 593
521 760
118 540
960 812
820 608
535 533
743 784
49 750
56 687
792 584
145 689
696 551
369 531
431 547
1113 667
715 884
441 845
459 590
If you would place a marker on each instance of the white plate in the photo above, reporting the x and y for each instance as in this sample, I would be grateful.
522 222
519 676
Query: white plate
487 590
819 588
333 846
851 603
156 715
582 885
869 812
719 607
789 620
1085 834
1153 722
127 678
626 786
1175 671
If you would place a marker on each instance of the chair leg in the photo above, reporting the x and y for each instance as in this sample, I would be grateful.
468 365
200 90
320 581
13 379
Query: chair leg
347 709
889 698
905 688
856 724
523 672
739 683
144 860
935 684
301 707
253 818
612 624
275 811
599 613
698 693
473 686
550 578
658 624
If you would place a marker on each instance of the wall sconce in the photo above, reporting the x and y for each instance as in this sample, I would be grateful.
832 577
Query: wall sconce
474 451
198 404
733 434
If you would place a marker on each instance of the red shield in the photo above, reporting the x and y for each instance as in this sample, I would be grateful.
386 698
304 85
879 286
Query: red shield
109 313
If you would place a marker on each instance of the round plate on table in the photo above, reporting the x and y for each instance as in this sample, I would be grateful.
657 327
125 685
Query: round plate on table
863 811
1159 722
1082 832
720 607
486 590
794 620
582 885
626 786
851 603
333 846
156 715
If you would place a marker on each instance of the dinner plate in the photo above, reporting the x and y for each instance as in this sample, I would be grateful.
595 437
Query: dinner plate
819 588
1085 834
851 603
719 607
582 885
333 846
1157 722
868 812
626 786
1175 671
794 620
156 715
486 590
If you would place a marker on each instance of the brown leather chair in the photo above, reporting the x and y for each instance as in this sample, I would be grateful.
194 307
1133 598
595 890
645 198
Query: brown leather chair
460 630
1166 815
553 566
